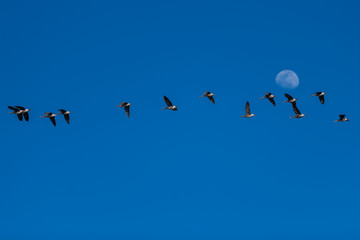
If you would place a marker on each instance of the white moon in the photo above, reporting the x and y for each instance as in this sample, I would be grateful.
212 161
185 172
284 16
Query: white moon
287 79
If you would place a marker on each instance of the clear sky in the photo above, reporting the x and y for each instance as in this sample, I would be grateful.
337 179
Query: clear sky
201 172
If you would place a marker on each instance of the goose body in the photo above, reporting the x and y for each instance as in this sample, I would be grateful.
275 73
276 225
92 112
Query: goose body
298 114
342 118
170 106
126 107
248 113
66 115
320 95
290 98
51 116
24 111
16 111
210 96
270 97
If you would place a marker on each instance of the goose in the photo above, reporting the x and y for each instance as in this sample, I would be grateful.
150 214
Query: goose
270 97
248 114
297 112
25 112
210 96
66 115
170 106
342 118
16 111
290 98
126 106
51 116
320 95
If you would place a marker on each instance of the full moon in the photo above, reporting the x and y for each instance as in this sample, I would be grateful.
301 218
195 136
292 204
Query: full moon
287 79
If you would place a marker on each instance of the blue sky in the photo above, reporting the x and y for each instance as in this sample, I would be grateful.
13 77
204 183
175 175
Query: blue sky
201 172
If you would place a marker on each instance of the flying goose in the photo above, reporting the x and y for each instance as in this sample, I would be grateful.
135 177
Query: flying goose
342 118
248 114
270 97
297 112
66 115
51 116
25 112
170 106
290 98
320 95
126 106
16 111
210 96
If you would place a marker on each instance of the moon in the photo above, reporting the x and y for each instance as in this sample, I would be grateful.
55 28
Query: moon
287 79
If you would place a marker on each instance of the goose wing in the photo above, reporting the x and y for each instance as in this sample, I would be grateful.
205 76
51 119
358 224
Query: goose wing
272 101
12 108
122 104
322 99
53 120
19 107
67 118
212 99
26 116
342 116
296 110
247 108
127 111
288 96
168 103
20 117
62 111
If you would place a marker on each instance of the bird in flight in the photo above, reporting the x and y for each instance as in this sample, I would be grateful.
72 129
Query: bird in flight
210 96
66 115
16 111
270 97
342 118
126 106
51 116
24 111
248 114
320 95
297 112
170 106
290 98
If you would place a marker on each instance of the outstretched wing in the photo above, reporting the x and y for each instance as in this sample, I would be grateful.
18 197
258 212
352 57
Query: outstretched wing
12 108
288 96
122 104
53 120
19 116
272 101
212 99
167 101
62 110
26 116
296 110
322 99
247 108
127 110
19 107
67 118
342 116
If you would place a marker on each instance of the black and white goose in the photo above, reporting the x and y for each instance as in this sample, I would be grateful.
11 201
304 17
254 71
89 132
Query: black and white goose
248 114
16 111
270 97
342 118
51 116
297 112
210 96
25 112
66 115
170 106
290 98
320 95
126 106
